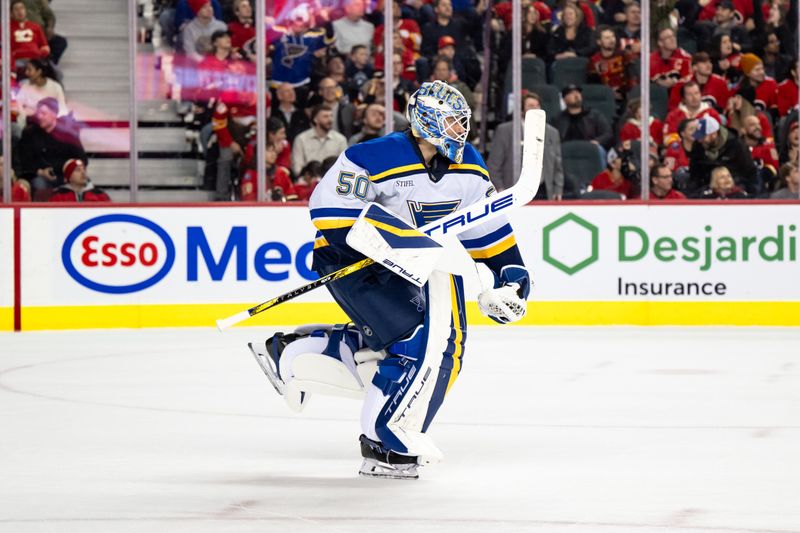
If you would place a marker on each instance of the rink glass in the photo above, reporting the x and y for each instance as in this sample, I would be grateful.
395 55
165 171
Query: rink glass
129 94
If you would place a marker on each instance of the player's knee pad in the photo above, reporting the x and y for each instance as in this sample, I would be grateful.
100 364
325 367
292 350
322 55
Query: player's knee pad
327 360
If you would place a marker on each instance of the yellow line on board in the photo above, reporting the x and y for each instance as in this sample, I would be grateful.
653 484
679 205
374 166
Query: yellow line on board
644 313
153 316
6 319
292 313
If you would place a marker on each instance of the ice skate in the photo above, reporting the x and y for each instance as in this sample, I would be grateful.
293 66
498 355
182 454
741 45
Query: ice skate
269 355
382 463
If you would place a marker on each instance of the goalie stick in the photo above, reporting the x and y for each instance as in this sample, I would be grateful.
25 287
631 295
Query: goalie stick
456 222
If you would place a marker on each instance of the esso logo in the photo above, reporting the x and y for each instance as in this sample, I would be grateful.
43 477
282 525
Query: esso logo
118 254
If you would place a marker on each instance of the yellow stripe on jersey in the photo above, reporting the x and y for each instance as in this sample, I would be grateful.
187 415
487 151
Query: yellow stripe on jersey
319 243
331 223
396 170
466 166
393 230
458 338
494 250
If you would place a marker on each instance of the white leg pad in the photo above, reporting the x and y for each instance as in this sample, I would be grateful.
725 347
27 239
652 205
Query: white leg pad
320 374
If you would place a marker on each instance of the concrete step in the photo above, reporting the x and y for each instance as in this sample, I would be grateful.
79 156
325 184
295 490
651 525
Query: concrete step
157 111
162 195
77 71
94 24
102 106
149 140
89 7
152 172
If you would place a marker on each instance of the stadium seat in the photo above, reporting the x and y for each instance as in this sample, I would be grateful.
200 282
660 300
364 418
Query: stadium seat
659 99
601 194
686 40
550 99
581 162
600 98
569 70
534 73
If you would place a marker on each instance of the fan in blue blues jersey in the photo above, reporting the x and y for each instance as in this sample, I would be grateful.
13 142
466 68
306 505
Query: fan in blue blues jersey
405 345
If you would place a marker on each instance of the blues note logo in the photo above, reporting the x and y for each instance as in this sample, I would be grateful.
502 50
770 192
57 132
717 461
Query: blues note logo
427 212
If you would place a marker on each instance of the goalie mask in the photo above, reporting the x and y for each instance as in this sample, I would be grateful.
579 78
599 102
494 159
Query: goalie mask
439 114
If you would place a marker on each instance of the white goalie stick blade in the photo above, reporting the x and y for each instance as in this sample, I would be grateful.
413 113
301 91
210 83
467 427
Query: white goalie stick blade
390 241
497 205
265 362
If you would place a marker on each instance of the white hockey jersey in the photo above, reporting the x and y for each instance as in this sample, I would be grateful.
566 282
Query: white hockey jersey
390 171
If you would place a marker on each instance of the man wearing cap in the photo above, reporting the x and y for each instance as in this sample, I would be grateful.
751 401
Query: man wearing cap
718 146
756 77
713 87
467 71
77 187
670 64
578 124
501 164
45 146
691 106
196 35
728 21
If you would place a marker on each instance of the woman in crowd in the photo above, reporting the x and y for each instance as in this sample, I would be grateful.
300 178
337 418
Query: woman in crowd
39 83
572 37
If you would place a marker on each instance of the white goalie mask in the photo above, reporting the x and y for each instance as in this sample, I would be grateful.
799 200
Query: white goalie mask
439 114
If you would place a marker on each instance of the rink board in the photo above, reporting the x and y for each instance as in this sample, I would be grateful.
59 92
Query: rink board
6 269
141 266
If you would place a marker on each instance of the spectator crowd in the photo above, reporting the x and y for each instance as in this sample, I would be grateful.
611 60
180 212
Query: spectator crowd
723 86
48 159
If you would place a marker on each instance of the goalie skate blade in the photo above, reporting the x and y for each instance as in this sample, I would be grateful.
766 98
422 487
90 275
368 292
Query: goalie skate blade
265 362
374 469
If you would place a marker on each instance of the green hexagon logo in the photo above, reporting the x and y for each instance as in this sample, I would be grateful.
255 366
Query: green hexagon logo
570 243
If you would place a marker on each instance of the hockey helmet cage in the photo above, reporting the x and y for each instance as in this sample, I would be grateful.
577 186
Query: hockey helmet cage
439 114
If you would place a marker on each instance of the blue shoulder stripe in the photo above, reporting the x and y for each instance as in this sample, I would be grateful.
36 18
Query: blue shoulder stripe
334 212
489 238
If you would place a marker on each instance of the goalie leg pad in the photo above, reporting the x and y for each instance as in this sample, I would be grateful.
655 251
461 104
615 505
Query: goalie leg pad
326 360
411 383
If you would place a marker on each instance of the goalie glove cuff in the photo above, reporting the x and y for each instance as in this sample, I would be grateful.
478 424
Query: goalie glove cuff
505 302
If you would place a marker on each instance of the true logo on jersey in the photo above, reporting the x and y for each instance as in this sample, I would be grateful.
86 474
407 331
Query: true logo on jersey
427 212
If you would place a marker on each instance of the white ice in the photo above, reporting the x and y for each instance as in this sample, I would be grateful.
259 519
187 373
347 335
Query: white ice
547 430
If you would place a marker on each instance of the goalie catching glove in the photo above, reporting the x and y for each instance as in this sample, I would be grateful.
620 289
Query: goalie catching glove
506 301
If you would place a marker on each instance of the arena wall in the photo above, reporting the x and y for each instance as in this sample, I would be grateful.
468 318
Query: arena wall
592 264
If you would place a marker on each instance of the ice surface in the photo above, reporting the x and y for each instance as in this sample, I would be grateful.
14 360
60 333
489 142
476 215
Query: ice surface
547 430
